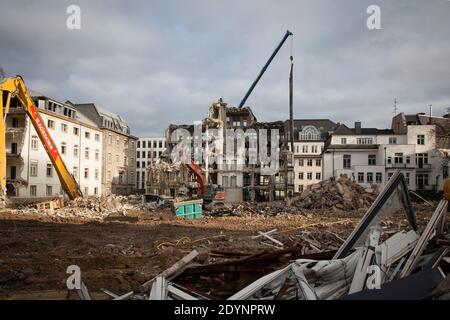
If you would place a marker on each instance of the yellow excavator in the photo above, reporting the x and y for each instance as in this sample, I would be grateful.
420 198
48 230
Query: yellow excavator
15 87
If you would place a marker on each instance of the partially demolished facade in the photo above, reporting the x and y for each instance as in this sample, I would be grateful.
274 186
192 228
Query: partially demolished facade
245 181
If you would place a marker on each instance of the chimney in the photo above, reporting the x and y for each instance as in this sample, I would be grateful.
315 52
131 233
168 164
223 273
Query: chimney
358 127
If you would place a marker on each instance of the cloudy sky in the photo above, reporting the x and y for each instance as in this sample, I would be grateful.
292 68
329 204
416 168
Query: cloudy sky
162 62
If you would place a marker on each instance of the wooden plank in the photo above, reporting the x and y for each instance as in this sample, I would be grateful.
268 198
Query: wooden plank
174 268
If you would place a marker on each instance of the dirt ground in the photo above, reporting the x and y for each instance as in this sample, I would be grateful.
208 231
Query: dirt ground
122 252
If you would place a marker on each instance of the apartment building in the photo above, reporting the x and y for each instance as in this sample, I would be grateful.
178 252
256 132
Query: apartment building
147 151
431 137
118 148
310 136
30 172
370 156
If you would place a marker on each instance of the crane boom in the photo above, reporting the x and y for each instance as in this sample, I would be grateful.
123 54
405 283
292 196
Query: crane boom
16 86
287 35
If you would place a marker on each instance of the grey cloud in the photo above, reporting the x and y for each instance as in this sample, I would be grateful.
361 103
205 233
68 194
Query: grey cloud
161 62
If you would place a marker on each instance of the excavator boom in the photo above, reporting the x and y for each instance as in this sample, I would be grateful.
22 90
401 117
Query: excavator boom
16 86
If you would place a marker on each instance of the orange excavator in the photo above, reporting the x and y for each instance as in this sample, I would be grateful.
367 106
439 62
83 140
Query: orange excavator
209 193
15 87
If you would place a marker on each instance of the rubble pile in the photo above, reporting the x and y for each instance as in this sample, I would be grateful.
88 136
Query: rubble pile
93 207
341 194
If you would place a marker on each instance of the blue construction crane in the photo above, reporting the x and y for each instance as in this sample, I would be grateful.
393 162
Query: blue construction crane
287 35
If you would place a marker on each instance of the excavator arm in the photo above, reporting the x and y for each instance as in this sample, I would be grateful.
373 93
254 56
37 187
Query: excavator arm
16 87
200 174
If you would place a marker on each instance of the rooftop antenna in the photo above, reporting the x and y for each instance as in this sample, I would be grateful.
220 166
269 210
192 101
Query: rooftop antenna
395 107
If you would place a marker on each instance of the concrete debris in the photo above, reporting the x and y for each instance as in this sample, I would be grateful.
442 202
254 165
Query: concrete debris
91 207
341 194
392 263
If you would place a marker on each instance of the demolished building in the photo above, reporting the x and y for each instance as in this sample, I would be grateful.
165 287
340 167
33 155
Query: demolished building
242 180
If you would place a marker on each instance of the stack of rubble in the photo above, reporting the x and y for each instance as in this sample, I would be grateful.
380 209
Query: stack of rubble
341 194
93 207
372 263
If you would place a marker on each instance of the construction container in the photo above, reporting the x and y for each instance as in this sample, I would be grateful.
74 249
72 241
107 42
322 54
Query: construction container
188 209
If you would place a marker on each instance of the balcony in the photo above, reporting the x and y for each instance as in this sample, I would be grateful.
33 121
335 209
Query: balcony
423 166
399 166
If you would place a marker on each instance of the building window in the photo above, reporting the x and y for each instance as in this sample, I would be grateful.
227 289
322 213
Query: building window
14 148
138 144
407 175
372 159
87 134
96 174
76 131
96 191
117 141
343 140
138 164
86 153
300 175
143 144
86 173
63 148
421 180
125 161
33 169
309 162
50 124
300 188
347 161
364 141
379 177
49 190
109 158
138 154
143 154
86 190
225 181
97 155
360 177
75 150
34 142
49 171
389 160
392 140
318 162
301 162
75 172
421 139
117 159
309 175
109 139
63 127
421 159
398 158
369 177
131 176
97 137
318 176
109 175
33 191
314 149
305 149
15 122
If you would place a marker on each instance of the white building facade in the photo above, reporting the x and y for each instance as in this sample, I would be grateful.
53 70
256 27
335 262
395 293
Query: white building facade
147 150
79 143
371 156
